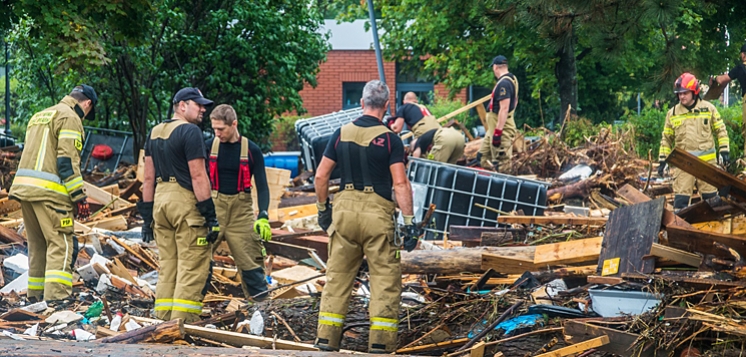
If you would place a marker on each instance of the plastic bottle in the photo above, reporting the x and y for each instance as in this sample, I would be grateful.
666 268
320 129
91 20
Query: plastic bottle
115 322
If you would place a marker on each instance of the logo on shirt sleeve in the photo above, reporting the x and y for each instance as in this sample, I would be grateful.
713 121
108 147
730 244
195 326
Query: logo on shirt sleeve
503 92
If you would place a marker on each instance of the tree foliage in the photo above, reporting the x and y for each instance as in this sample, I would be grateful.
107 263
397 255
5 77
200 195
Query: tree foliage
254 55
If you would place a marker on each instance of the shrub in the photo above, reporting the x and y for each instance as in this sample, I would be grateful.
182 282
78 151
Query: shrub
284 136
576 130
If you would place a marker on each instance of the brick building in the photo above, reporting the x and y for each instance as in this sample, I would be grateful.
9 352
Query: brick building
350 64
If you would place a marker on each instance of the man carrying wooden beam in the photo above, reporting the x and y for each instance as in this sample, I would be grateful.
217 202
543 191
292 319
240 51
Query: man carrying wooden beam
738 73
371 159
689 126
432 140
230 177
497 152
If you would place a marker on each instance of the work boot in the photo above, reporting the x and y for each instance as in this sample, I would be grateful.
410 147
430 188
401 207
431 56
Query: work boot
328 344
680 202
254 284
382 341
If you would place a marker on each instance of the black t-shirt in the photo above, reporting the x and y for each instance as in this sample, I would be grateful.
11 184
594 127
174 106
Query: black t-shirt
171 156
425 142
229 159
504 90
411 114
383 151
739 73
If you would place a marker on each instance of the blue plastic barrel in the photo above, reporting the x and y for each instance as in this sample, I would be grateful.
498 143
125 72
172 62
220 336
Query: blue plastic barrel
287 160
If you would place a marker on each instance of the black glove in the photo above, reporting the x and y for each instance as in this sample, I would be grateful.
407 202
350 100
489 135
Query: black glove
661 168
725 156
325 214
82 210
207 209
146 211
411 233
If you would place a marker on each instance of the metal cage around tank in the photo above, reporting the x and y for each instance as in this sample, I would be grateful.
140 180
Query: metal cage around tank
314 133
456 191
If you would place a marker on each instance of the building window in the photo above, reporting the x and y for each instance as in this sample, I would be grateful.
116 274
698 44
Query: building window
422 90
352 92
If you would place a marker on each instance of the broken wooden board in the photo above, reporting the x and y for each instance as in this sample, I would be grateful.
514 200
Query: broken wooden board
692 240
572 252
277 180
288 250
508 264
633 196
628 236
578 347
294 212
116 223
707 173
556 220
104 198
7 205
620 343
10 236
707 210
676 255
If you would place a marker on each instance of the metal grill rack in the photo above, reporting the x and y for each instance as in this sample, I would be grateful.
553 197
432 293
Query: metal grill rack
456 189
314 133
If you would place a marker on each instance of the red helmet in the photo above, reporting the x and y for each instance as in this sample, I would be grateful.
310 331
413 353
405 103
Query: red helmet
686 82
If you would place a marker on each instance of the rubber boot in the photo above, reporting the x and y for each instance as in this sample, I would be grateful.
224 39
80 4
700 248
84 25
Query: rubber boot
333 340
679 202
255 282
382 342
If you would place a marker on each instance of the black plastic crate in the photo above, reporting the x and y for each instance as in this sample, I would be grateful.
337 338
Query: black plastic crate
456 189
314 133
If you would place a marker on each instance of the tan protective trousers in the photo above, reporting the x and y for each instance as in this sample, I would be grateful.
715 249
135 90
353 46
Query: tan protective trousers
503 155
362 226
448 146
49 228
236 217
183 251
683 183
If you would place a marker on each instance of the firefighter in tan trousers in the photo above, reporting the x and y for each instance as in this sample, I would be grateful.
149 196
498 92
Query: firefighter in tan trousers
178 209
50 188
689 126
497 153
371 159
442 144
739 73
230 177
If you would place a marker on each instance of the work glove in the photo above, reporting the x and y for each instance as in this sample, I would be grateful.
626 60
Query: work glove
411 233
325 214
261 226
207 209
497 138
725 158
82 211
661 168
146 211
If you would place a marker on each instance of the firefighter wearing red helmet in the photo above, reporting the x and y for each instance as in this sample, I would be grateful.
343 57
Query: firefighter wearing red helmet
689 126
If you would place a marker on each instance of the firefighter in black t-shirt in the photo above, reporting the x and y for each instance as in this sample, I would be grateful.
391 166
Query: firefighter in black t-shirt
371 159
738 72
177 208
442 144
230 176
497 151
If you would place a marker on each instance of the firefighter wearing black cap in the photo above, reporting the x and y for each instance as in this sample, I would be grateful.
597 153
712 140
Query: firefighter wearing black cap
689 126
738 72
50 188
371 159
497 152
438 143
233 160
177 208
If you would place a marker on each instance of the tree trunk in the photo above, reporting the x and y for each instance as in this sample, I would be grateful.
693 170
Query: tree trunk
161 333
566 72
453 261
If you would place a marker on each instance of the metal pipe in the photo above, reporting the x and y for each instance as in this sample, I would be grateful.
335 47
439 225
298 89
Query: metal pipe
7 89
376 44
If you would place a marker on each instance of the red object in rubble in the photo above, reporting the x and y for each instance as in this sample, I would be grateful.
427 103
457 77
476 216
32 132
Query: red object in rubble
102 152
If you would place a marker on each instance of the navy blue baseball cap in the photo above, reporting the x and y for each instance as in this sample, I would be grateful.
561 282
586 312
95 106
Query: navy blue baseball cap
499 60
193 94
90 93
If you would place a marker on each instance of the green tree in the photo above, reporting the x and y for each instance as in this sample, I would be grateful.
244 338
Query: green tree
255 55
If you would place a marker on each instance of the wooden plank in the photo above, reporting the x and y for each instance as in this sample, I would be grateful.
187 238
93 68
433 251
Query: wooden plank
116 223
676 255
707 210
707 173
508 265
137 255
242 339
634 196
575 251
288 250
140 173
112 189
294 212
482 113
628 237
316 242
477 350
567 220
578 347
7 205
692 240
161 333
132 189
620 343
10 236
606 280
103 197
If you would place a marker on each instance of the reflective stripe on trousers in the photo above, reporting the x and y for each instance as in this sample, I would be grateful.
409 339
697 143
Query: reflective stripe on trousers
385 324
331 319
58 276
35 283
